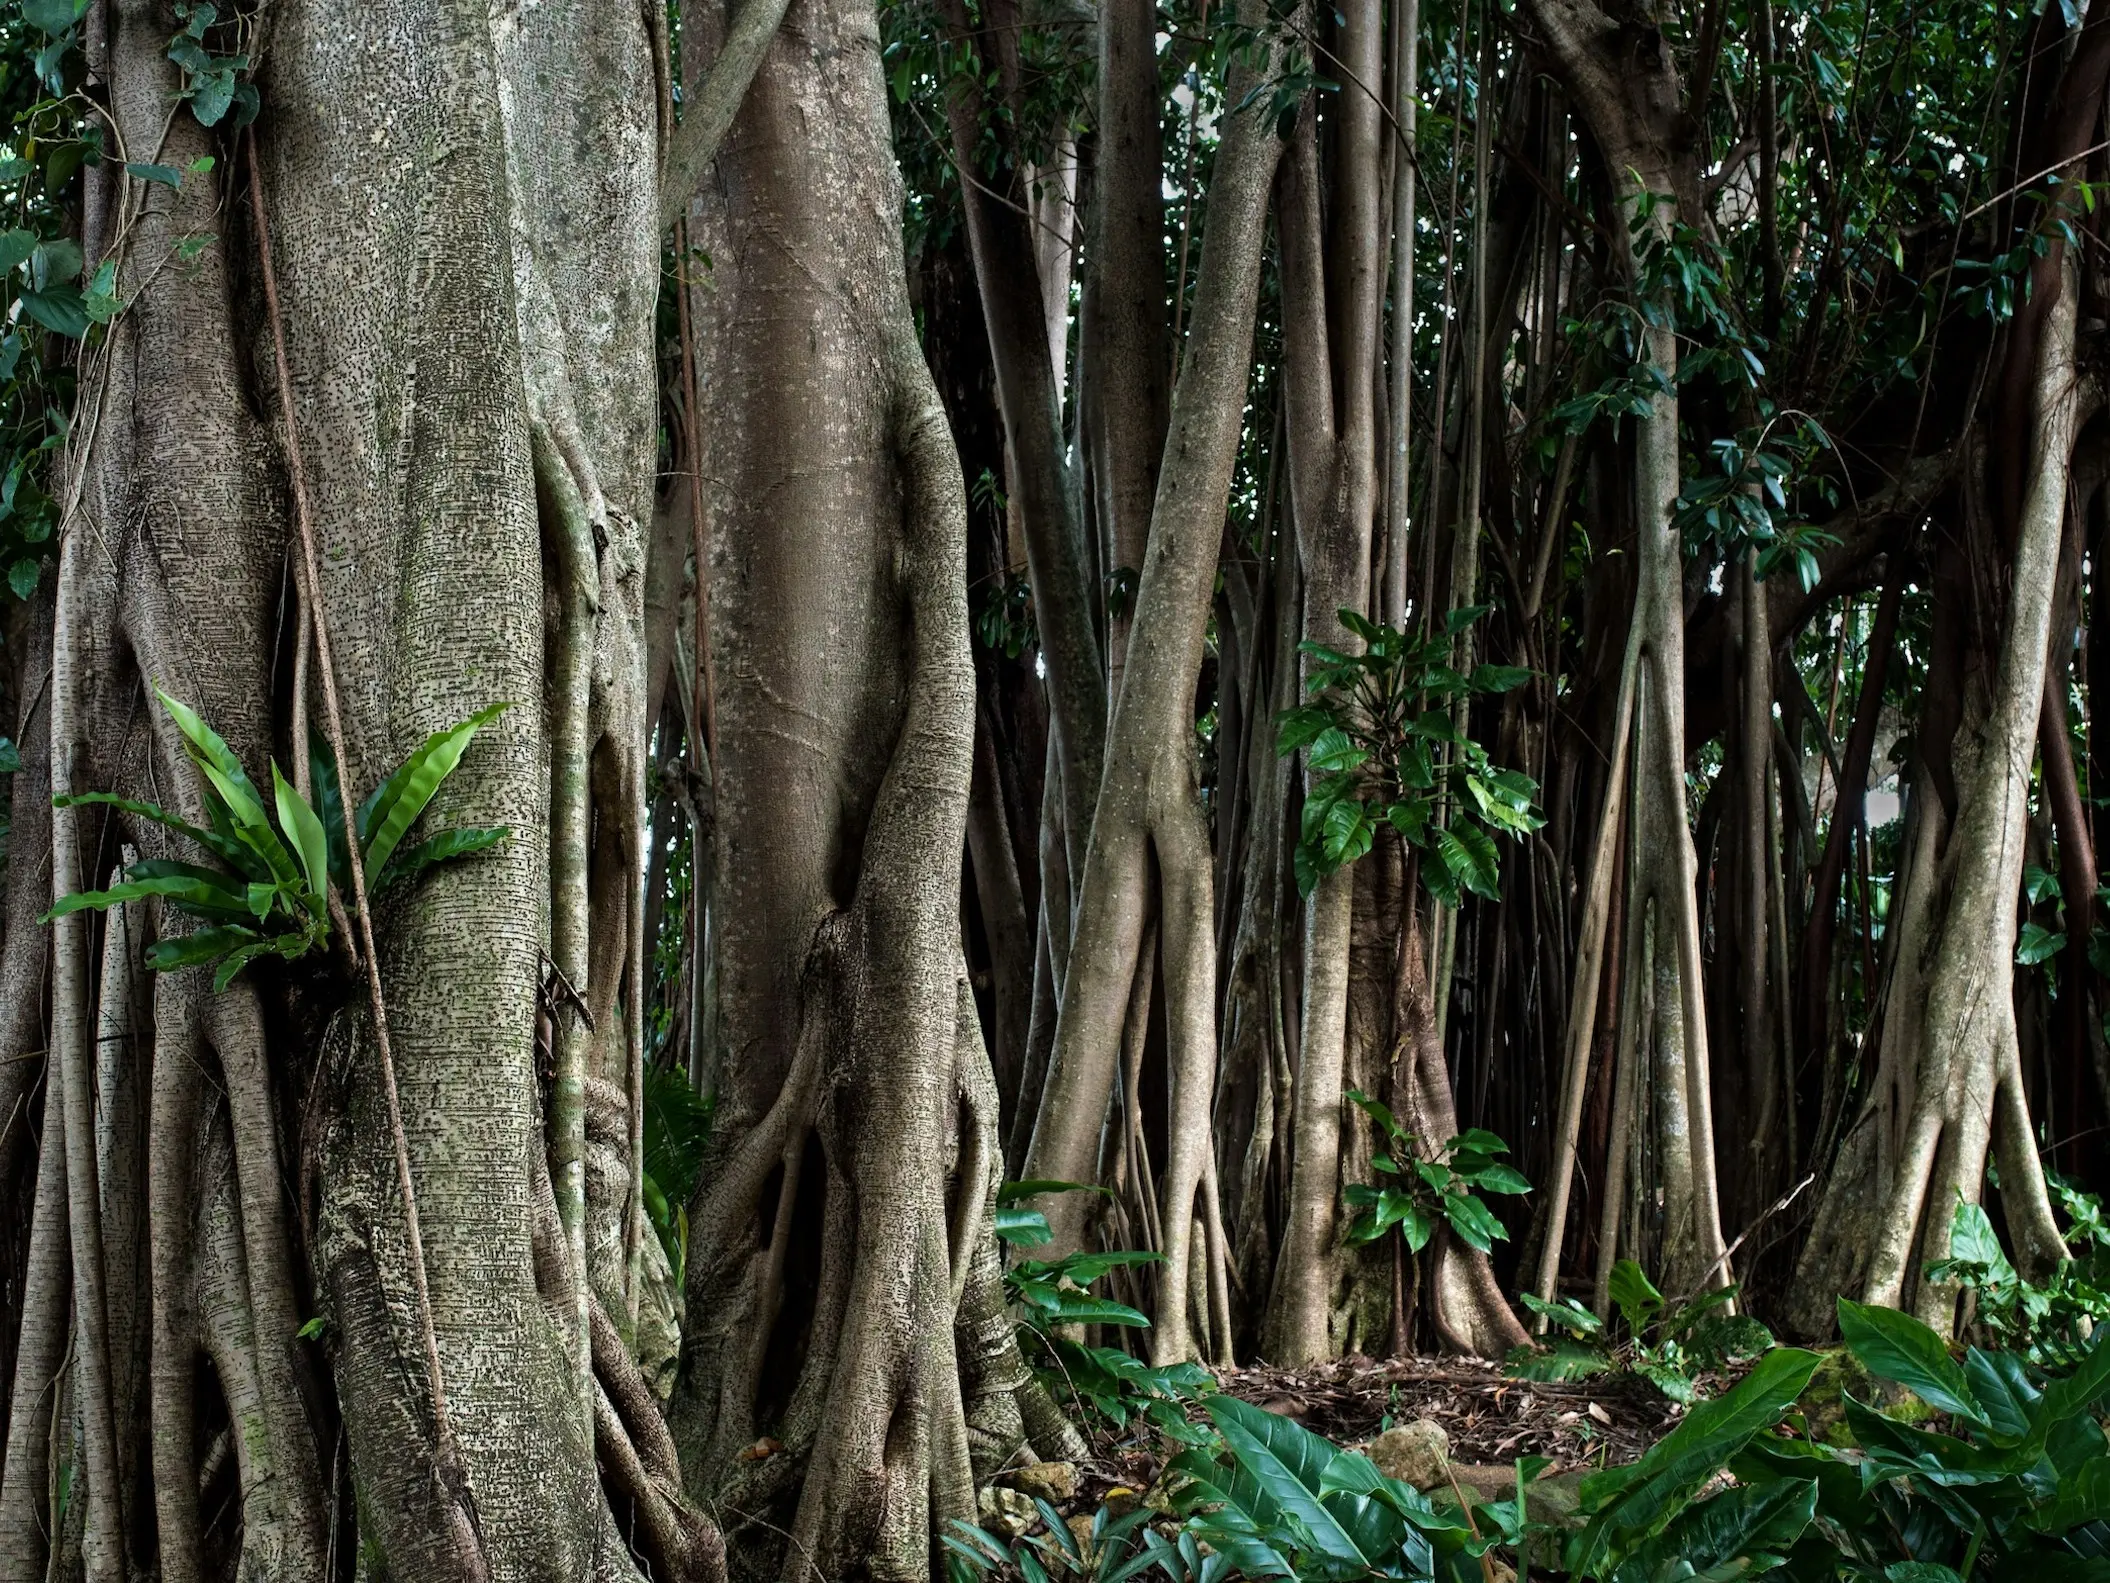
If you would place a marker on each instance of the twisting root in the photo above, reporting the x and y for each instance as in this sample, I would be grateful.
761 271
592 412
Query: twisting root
40 1354
171 1161
70 1099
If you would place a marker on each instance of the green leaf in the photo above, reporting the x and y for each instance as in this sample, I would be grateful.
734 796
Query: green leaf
1012 1192
208 897
1630 1501
1287 1462
409 862
2037 944
1023 1228
1565 1312
1377 1112
2082 1497
22 577
1634 1294
1334 751
216 760
313 1329
301 825
232 853
166 175
1896 1347
53 16
1499 678
59 309
329 807
15 247
1753 1524
213 92
1497 1179
172 951
1470 858
1081 1308
1295 728
285 945
1473 1221
1564 1358
1458 620
395 804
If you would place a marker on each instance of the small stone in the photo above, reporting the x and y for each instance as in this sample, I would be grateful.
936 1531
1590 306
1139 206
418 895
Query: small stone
1050 1481
1006 1513
1416 1453
1080 1527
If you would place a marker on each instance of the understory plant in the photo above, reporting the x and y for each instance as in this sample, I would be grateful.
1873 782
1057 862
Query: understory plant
1048 1295
2010 1480
270 894
1667 1344
1418 1194
2047 1324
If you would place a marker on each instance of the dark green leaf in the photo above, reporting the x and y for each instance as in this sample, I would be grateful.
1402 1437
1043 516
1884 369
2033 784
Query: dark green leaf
59 309
1896 1347
172 951
1012 1192
409 862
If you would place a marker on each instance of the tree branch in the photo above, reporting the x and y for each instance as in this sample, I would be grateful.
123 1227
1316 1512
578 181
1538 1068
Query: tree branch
710 113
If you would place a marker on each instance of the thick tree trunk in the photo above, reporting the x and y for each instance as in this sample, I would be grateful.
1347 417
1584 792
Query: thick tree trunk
838 1225
1930 1125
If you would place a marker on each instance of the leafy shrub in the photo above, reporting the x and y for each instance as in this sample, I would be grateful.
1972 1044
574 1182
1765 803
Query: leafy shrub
270 897
1380 739
677 1127
2017 1485
1050 1293
2046 1324
1665 1345
1424 1192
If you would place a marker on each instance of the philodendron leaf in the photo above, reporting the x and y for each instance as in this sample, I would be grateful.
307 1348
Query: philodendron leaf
1896 1347
394 806
1631 1501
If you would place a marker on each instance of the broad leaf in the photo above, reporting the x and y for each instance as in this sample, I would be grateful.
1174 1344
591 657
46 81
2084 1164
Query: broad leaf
1896 1347
1287 1461
1752 1524
1634 1294
172 951
1630 1501
1022 1228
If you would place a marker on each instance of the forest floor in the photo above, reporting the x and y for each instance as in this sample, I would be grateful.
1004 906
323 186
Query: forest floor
1489 1419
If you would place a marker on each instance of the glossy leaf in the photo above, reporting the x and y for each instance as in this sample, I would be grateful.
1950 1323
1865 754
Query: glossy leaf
1896 1347
394 805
